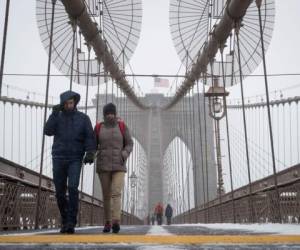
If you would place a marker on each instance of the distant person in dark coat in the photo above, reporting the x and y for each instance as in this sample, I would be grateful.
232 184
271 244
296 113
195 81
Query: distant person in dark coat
169 213
74 142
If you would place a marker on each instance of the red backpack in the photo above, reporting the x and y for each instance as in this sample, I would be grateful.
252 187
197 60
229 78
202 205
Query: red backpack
99 124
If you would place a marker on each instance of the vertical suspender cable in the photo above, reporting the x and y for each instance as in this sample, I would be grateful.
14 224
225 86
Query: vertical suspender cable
187 142
25 134
12 130
122 114
206 149
217 150
4 44
129 170
283 132
191 140
31 134
95 162
37 208
117 97
201 142
181 156
245 125
297 126
36 131
106 86
291 140
74 27
279 219
178 165
219 170
259 133
19 135
194 152
112 90
177 197
227 131
128 174
78 48
187 161
85 111
4 105
122 111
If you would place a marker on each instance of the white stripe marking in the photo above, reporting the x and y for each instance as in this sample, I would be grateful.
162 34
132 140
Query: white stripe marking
158 230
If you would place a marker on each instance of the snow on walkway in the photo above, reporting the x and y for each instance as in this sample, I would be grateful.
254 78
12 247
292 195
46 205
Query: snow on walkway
285 229
158 230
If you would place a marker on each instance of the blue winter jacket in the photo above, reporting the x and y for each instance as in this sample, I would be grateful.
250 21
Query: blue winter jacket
73 132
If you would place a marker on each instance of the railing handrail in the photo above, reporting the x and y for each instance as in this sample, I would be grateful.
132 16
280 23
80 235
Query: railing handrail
20 171
283 101
264 188
34 104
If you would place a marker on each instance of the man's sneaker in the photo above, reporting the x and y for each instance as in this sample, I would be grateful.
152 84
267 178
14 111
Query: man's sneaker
63 229
116 227
107 227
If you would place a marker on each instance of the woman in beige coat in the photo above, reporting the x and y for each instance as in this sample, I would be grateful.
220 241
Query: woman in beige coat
114 145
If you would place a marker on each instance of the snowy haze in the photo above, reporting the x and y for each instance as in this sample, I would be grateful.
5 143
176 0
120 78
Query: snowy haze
155 53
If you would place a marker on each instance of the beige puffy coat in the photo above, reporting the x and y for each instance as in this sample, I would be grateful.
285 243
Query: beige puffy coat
113 149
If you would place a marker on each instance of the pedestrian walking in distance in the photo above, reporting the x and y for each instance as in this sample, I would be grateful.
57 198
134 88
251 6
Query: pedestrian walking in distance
169 214
159 211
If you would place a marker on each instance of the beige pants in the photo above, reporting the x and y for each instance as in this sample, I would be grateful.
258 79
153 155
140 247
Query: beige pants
112 184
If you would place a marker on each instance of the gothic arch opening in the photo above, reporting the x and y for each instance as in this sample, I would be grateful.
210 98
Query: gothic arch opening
178 176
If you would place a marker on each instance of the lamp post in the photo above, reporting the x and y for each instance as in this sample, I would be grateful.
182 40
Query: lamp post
217 103
133 183
217 100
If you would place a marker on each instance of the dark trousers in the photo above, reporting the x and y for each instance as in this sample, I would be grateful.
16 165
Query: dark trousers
159 219
153 221
67 172
169 220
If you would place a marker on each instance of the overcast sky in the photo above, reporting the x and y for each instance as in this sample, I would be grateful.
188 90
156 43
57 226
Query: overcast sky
155 53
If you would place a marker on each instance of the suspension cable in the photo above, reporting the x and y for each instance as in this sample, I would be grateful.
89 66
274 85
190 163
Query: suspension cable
19 134
217 149
237 29
37 208
85 111
74 27
227 133
206 149
95 161
201 142
4 44
258 3
182 129
192 136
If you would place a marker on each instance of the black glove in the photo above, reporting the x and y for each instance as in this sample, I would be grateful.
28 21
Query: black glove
56 108
89 158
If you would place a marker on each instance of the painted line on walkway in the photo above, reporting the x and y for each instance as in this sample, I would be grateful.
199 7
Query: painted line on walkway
153 239
158 230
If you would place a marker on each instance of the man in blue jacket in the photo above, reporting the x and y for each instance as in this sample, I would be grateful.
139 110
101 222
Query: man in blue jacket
74 141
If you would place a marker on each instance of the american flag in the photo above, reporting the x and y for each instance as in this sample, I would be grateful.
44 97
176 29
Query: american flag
160 82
